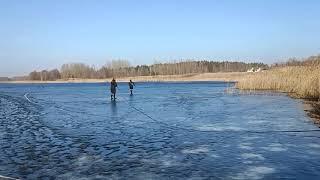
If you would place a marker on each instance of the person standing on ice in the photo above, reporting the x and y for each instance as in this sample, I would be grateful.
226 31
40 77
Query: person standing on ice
131 84
113 86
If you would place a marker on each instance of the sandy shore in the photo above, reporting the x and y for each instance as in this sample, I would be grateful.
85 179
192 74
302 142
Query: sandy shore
232 76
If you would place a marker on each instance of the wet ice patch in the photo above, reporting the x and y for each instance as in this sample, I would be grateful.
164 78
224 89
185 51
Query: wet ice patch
275 147
258 172
252 156
198 150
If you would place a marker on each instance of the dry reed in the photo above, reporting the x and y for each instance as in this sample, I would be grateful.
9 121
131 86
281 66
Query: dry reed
298 81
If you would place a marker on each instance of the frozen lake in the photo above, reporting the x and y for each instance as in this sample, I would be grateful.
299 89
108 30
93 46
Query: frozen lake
164 131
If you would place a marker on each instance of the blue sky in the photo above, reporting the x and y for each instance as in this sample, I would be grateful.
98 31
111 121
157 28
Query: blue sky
45 34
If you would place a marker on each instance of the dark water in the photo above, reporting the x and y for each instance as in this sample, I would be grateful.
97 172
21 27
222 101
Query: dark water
164 131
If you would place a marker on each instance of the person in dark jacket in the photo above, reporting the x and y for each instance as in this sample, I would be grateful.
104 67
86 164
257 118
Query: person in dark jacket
131 84
113 89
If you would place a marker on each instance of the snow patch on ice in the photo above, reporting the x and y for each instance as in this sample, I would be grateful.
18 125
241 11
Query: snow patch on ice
198 150
256 122
249 138
275 147
313 145
254 173
252 156
245 146
211 127
214 156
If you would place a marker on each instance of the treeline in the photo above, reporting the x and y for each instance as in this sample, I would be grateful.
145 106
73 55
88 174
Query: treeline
45 75
310 61
4 79
122 68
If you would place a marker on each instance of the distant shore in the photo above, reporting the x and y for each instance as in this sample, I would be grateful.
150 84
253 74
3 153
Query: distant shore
230 76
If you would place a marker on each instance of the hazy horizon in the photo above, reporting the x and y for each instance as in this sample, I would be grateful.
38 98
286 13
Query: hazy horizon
38 35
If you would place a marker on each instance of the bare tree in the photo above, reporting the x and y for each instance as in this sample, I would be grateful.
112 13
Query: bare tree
122 68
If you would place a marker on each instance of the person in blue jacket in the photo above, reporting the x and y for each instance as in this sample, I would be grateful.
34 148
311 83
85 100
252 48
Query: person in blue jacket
131 84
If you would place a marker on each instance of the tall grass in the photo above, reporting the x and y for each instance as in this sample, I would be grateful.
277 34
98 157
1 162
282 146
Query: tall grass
298 81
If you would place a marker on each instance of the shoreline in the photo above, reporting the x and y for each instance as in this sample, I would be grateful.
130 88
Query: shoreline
311 111
223 77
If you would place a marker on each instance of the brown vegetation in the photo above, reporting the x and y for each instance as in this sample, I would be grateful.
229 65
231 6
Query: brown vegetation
298 81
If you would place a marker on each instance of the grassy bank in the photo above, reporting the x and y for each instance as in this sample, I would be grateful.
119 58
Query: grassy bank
298 81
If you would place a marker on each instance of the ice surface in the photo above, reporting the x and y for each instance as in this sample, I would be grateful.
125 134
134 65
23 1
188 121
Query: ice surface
164 131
